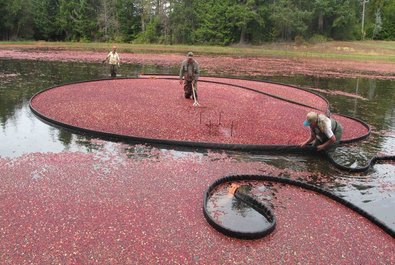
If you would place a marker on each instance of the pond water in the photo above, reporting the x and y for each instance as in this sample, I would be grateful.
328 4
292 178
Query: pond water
234 214
369 100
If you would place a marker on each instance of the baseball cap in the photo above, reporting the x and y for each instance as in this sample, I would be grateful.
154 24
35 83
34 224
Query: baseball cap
310 117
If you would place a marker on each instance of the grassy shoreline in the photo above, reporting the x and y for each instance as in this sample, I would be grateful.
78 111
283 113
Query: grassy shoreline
383 51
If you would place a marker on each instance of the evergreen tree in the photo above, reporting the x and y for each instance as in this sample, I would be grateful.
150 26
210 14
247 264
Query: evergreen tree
77 19
44 12
388 21
289 20
214 26
129 20
245 16
16 19
184 21
194 21
345 25
108 26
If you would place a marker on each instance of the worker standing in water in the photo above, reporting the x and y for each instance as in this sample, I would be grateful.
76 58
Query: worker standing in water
114 61
189 71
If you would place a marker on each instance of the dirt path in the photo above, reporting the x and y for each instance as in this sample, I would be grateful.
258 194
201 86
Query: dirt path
252 66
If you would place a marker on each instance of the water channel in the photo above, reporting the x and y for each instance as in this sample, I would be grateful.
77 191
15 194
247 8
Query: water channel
372 101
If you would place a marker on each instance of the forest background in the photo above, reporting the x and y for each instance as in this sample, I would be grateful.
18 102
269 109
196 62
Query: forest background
208 22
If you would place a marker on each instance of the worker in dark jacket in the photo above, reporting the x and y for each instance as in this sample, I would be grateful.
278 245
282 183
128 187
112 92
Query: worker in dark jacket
190 73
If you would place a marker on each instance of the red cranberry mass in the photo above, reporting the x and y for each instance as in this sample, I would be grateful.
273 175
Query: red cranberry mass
155 107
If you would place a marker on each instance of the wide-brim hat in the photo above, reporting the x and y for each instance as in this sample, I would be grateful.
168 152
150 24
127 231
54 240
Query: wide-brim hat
190 54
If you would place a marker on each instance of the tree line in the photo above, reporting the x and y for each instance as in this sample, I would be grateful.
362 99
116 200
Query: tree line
220 22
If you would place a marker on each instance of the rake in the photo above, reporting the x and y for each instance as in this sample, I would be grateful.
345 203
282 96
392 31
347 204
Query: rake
195 103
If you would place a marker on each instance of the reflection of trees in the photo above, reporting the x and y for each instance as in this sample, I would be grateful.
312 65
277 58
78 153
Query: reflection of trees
87 143
372 89
34 76
238 205
377 111
65 137
7 108
380 95
17 91
253 190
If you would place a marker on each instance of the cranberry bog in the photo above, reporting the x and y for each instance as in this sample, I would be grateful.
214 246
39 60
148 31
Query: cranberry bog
232 112
105 208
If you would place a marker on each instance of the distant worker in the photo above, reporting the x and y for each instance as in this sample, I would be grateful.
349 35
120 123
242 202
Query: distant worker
114 61
190 73
324 132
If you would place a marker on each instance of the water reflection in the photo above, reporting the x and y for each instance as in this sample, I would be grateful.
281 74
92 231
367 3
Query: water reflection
234 214
378 110
351 156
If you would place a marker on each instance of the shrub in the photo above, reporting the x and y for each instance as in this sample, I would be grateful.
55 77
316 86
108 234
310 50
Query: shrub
316 38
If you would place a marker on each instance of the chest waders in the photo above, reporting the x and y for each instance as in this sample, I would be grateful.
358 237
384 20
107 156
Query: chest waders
190 90
186 76
336 129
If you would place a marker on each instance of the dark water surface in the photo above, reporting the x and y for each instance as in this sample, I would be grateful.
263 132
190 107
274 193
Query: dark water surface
234 214
22 133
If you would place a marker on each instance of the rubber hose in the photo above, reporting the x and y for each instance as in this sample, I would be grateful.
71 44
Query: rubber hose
370 163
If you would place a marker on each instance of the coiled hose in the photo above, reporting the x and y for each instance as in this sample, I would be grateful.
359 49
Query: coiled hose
265 210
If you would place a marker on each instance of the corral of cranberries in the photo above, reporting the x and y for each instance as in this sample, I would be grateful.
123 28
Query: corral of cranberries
104 208
156 108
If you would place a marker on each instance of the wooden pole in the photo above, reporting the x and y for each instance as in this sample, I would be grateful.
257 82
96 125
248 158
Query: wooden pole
231 129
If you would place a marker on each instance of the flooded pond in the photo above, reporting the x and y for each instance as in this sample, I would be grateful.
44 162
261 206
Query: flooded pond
369 100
